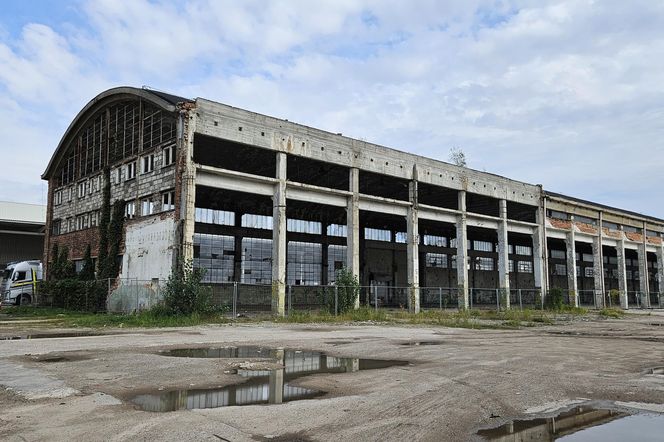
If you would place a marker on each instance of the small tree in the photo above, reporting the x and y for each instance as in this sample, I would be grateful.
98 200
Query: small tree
348 290
457 157
556 298
184 293
67 268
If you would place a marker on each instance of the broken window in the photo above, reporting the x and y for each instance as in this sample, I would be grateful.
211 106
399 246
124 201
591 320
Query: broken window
211 216
483 263
377 234
432 240
130 171
147 163
256 261
215 254
337 230
437 260
168 201
130 209
525 267
168 156
147 207
303 263
524 250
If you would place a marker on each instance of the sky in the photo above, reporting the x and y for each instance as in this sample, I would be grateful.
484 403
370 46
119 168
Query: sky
567 94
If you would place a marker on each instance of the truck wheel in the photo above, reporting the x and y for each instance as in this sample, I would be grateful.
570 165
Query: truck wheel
24 299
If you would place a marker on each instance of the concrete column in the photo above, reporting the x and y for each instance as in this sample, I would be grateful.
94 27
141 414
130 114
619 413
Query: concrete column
622 271
598 272
412 248
660 269
503 257
279 238
572 288
462 253
643 275
353 227
540 273
188 186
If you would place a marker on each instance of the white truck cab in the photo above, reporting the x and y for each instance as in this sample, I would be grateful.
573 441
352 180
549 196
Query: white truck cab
19 282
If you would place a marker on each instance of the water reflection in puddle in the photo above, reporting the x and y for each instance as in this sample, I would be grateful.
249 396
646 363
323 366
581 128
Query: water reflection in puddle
51 335
262 386
581 424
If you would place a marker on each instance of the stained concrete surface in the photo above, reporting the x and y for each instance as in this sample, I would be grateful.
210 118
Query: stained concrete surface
473 379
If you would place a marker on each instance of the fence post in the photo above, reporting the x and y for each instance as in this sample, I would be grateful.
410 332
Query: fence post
376 300
108 293
336 300
440 297
471 298
498 299
520 299
290 299
234 301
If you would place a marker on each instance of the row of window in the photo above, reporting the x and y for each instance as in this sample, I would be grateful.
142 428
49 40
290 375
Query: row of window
555 214
147 205
93 185
79 222
589 272
481 263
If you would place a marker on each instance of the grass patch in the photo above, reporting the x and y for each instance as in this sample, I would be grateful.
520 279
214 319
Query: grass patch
611 313
148 318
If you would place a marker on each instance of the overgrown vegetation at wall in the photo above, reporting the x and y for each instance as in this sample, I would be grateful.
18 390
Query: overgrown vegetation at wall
341 297
87 290
184 294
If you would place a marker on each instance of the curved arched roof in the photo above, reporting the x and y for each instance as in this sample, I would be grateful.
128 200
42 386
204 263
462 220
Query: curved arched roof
163 100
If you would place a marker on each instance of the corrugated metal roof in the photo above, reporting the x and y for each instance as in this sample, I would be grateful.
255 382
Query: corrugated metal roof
22 213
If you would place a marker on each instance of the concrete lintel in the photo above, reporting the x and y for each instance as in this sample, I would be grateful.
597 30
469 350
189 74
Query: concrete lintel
373 205
315 196
483 223
234 182
556 234
439 216
517 228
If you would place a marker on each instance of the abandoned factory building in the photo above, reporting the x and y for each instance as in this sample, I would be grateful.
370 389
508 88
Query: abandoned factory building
261 200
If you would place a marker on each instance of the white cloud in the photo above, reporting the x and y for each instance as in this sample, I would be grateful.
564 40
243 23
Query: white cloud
567 94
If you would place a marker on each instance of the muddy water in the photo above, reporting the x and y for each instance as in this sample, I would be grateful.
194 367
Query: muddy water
582 424
261 386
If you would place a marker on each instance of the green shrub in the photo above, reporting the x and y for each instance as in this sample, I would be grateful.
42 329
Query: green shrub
556 298
72 294
348 291
184 294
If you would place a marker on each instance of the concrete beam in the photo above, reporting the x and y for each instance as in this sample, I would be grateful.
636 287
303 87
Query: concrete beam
296 191
279 238
353 227
380 205
570 245
462 253
237 181
412 249
503 257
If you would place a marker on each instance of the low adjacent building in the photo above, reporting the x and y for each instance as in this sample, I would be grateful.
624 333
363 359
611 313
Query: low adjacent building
21 232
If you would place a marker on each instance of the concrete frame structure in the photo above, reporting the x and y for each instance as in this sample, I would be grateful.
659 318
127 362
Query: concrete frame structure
393 218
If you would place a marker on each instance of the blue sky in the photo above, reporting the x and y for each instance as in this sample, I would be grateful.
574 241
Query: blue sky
568 94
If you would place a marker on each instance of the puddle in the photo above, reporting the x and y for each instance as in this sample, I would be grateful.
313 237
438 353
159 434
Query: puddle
581 424
261 386
52 335
420 343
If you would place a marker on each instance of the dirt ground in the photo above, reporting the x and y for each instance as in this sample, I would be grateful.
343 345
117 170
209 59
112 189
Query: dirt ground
78 388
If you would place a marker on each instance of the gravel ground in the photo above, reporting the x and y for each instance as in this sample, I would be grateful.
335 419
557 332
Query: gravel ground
78 388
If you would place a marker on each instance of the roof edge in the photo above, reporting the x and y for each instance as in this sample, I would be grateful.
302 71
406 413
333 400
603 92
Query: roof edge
164 100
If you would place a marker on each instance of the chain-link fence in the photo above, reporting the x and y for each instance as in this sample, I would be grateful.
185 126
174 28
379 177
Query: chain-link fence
132 295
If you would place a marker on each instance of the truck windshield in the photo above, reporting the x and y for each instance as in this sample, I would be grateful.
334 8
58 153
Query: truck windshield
7 273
